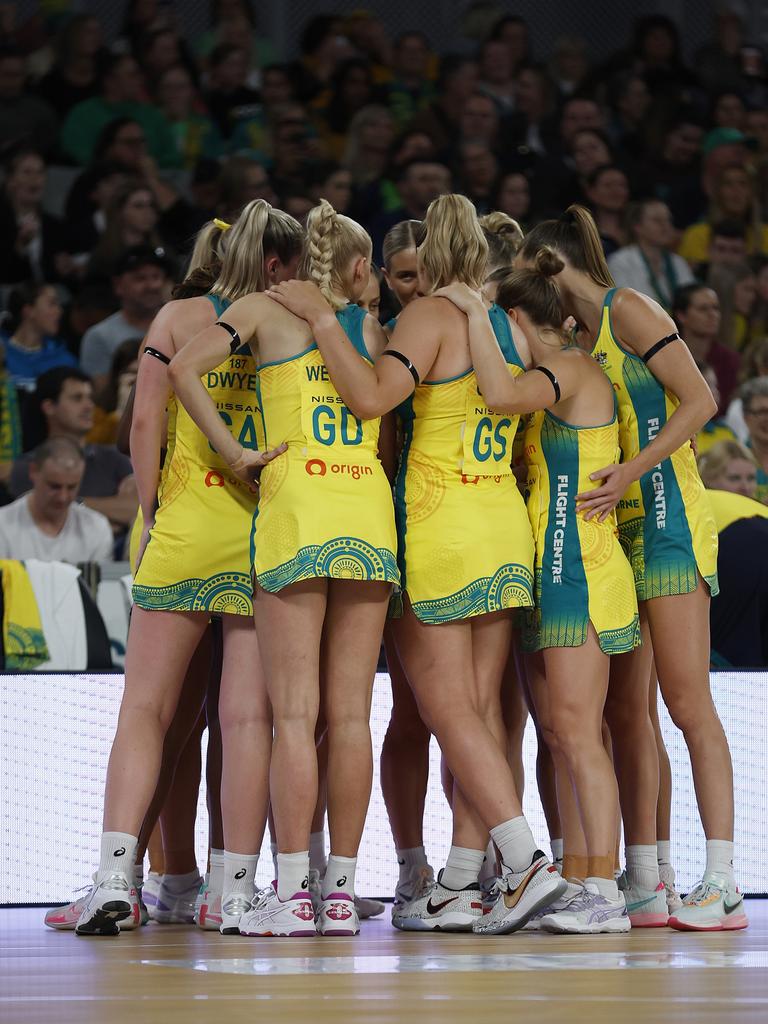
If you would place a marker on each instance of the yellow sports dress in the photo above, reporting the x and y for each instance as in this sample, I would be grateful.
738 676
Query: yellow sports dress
582 573
197 558
665 522
465 544
325 507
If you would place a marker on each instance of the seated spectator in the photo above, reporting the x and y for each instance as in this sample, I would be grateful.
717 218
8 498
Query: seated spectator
73 77
630 102
532 123
113 397
607 192
729 111
229 98
141 282
478 170
47 522
754 363
727 247
323 47
649 265
120 95
233 22
513 196
440 120
513 31
589 150
294 147
674 170
370 137
158 51
736 287
65 400
754 397
120 153
418 183
333 182
716 430
569 64
31 343
370 39
298 205
350 90
497 75
729 466
131 222
33 240
733 198
410 90
696 310
194 133
25 120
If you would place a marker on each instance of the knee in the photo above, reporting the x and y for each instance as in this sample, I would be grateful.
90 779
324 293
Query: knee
569 736
406 729
295 710
245 715
691 716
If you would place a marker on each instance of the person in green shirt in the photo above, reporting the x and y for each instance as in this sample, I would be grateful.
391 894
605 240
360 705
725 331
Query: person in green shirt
120 96
194 133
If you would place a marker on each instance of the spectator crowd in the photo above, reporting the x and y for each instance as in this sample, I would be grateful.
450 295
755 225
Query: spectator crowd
115 152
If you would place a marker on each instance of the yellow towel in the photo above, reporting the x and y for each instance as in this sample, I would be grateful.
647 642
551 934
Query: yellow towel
23 637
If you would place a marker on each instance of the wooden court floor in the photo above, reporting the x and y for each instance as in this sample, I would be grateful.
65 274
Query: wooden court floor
175 974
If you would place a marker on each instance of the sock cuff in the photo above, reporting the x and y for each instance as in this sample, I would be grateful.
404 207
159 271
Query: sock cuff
246 858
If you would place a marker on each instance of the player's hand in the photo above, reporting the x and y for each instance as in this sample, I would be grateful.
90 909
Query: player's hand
603 499
249 465
462 296
144 540
303 298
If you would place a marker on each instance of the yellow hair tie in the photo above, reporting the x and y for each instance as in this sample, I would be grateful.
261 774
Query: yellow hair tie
221 224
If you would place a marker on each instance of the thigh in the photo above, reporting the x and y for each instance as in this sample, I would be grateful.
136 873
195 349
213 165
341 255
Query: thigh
354 623
491 645
577 684
438 663
243 686
404 707
679 628
631 674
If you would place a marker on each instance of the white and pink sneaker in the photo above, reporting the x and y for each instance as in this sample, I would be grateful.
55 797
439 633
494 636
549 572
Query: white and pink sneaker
64 919
269 915
338 916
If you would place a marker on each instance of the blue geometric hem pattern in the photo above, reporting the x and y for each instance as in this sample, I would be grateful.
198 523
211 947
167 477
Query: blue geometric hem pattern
227 593
343 558
511 586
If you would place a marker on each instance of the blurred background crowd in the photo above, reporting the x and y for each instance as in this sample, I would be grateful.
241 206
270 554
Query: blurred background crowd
120 140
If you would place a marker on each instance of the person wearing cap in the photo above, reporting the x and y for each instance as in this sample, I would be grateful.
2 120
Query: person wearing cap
141 283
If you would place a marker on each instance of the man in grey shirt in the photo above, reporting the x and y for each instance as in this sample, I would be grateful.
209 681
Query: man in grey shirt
141 284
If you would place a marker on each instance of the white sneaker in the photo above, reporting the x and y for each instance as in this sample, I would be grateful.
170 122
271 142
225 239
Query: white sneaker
64 919
201 895
519 895
232 909
589 914
439 908
533 924
366 907
175 907
270 916
338 916
713 906
647 908
150 890
208 908
418 882
667 876
110 901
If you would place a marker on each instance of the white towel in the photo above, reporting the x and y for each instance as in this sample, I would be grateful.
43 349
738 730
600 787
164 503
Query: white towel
61 612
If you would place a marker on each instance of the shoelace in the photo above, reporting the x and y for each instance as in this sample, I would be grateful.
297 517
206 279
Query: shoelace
701 892
425 883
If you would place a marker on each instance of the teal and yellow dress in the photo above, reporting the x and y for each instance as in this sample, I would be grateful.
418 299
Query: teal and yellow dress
665 522
325 507
197 558
465 544
582 573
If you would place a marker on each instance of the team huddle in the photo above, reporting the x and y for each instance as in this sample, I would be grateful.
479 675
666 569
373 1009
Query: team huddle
500 484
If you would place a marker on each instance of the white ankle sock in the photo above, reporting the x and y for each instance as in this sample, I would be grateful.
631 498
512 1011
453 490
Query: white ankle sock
720 858
489 867
462 867
238 873
408 859
339 876
118 854
663 852
216 874
643 867
178 884
557 851
292 874
317 859
515 843
138 875
606 887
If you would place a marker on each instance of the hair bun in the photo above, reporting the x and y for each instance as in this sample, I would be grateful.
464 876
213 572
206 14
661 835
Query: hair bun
548 263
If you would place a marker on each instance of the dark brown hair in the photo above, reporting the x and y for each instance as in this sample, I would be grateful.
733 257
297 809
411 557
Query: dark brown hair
575 237
534 291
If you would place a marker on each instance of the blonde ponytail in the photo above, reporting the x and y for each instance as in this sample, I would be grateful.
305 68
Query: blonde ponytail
260 230
332 241
574 236
454 246
208 248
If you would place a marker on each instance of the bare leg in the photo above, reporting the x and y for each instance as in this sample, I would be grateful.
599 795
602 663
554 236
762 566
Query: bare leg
177 818
213 754
680 634
515 714
664 804
155 851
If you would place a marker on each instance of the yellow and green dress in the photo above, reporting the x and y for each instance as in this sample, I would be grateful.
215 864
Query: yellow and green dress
665 522
582 573
465 543
197 558
325 507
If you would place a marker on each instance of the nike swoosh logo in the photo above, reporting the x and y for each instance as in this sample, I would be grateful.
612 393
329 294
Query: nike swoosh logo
512 899
730 907
640 903
434 908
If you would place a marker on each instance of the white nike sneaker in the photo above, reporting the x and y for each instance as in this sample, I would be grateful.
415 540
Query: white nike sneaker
110 901
533 924
338 916
589 914
366 907
439 908
268 915
712 906
232 909
647 908
667 876
175 907
519 895
419 880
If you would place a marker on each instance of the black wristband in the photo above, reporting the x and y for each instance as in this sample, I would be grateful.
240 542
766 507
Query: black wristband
552 380
660 345
405 361
158 355
236 343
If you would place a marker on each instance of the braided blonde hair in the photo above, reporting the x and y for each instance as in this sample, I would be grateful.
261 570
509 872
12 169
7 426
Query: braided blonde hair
332 242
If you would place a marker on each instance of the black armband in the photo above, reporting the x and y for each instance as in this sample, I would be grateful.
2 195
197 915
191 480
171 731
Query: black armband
552 380
660 345
158 355
235 344
405 361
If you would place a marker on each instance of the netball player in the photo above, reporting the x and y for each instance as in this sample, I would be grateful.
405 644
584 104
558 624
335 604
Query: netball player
455 470
183 578
324 545
669 533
